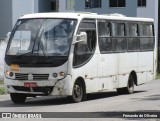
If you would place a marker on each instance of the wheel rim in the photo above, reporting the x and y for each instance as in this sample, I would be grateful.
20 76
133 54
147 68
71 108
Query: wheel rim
77 91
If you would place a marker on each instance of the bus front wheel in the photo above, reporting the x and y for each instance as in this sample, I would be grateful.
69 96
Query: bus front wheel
77 93
18 98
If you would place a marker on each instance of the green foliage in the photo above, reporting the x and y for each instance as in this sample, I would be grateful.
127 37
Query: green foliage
1 82
158 75
2 91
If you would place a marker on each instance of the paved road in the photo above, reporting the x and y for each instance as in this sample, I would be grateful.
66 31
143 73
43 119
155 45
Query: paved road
146 98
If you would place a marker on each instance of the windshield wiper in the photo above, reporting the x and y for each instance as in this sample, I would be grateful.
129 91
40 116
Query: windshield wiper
40 44
40 47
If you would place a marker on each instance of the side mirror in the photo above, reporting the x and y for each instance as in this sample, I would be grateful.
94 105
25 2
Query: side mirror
82 38
8 36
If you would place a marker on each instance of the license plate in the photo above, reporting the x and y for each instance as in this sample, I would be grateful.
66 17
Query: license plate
30 84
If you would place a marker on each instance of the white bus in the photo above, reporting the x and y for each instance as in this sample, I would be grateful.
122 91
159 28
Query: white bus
74 54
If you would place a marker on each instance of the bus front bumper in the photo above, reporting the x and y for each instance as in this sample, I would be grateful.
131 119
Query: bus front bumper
61 87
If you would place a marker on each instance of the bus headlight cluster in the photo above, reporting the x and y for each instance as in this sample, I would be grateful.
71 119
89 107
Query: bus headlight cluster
55 75
9 73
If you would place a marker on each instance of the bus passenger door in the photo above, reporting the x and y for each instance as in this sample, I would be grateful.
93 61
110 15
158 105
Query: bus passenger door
85 57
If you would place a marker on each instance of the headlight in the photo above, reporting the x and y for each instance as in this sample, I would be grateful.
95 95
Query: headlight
9 73
55 75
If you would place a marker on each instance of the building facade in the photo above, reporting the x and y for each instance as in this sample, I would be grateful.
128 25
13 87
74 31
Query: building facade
11 10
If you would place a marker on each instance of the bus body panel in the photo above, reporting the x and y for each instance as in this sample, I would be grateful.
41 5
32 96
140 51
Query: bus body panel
145 67
89 73
107 71
127 62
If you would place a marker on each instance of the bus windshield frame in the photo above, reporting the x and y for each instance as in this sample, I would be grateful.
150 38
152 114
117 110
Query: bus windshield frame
41 37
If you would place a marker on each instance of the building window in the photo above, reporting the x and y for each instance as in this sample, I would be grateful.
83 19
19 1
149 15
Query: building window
93 3
70 4
54 5
141 3
117 3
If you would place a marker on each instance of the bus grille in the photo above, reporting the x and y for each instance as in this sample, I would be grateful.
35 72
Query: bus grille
35 89
21 76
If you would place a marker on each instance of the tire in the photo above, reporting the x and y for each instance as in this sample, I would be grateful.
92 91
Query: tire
130 87
18 98
78 92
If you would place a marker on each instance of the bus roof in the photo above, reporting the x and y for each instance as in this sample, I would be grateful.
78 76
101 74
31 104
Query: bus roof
80 15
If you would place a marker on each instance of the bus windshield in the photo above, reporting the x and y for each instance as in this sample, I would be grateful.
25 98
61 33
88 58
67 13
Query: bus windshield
50 37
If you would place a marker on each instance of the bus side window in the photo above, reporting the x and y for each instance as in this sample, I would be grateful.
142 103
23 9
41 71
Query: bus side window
83 52
119 42
132 37
104 31
146 37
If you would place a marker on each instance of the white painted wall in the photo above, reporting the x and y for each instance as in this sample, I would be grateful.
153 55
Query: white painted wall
148 11
2 53
17 10
62 6
151 11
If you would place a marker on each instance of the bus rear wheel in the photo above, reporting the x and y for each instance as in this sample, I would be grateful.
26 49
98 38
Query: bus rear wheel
77 93
18 98
130 87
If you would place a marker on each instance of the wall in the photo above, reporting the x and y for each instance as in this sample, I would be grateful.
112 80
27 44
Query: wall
20 7
129 10
62 6
151 11
5 17
148 11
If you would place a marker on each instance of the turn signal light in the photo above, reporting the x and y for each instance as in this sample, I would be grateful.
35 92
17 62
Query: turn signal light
62 74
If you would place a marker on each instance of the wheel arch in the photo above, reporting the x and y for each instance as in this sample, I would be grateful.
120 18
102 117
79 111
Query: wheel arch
81 79
133 73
